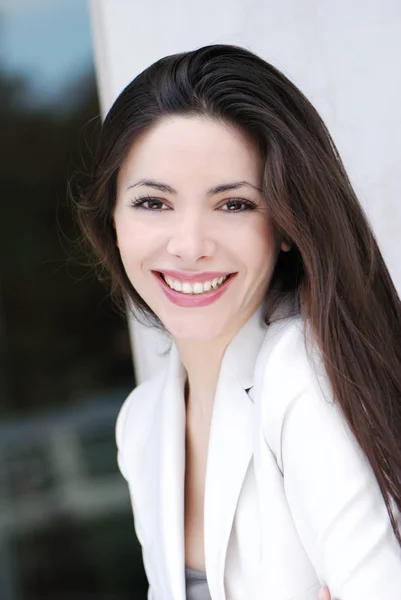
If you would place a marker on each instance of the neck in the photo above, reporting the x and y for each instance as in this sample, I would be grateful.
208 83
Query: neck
202 363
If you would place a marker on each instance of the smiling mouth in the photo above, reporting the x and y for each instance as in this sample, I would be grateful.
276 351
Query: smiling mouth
188 289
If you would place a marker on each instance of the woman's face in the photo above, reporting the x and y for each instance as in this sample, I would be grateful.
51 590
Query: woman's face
189 206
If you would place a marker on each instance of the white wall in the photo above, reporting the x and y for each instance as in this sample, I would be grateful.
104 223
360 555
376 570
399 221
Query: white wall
344 55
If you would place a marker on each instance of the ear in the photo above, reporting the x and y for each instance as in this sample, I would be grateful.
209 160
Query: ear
285 246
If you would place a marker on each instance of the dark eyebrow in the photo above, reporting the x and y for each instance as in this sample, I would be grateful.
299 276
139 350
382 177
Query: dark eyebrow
226 187
163 187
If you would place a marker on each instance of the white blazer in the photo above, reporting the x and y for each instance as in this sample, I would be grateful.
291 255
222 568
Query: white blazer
291 502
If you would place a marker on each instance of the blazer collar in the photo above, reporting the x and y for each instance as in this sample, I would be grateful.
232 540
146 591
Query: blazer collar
170 466
243 349
229 454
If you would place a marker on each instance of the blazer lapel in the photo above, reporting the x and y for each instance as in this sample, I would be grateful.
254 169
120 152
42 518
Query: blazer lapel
230 446
172 473
229 455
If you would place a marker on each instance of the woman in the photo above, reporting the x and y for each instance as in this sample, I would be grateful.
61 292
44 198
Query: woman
267 456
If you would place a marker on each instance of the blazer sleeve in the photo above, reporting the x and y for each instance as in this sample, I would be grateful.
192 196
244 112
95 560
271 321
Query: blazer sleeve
335 501
122 430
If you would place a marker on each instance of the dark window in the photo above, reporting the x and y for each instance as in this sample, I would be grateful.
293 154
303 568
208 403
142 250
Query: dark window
98 453
66 525
27 471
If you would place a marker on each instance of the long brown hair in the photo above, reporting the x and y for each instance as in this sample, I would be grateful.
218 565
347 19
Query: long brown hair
334 272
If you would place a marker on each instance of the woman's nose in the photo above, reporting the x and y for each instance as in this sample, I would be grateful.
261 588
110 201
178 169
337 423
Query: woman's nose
191 239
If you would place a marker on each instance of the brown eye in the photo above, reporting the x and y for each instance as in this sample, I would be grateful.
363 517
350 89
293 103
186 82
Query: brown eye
236 205
148 203
152 204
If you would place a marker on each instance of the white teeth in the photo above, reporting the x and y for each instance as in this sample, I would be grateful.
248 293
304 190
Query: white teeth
194 288
187 288
197 288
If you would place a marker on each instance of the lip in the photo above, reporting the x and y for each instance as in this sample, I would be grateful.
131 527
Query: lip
193 300
193 278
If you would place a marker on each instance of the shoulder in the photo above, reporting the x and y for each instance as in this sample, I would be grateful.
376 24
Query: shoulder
135 418
289 357
289 367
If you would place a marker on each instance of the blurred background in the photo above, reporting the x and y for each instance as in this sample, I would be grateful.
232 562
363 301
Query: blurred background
66 529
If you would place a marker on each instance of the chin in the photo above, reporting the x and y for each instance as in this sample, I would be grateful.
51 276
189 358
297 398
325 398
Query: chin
194 334
196 327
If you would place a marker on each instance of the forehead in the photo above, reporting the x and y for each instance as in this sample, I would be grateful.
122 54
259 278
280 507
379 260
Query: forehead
188 148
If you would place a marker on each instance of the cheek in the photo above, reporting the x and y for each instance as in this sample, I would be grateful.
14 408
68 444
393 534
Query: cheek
131 246
261 246
133 241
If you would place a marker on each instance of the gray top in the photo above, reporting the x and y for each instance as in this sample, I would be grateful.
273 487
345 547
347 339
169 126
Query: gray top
196 585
